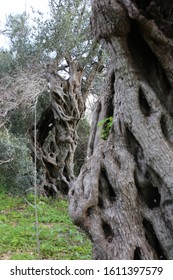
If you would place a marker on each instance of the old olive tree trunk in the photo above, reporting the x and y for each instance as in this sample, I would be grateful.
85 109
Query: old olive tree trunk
56 130
123 197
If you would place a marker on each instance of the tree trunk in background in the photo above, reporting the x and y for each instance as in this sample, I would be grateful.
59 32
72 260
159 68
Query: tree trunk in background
56 129
123 197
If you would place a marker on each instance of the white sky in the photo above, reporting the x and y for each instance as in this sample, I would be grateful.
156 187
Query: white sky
18 6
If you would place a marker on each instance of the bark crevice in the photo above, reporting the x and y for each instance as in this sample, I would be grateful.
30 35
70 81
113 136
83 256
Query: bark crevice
105 187
152 239
149 193
137 254
108 232
143 103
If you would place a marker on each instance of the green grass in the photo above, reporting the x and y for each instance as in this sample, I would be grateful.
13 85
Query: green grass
59 238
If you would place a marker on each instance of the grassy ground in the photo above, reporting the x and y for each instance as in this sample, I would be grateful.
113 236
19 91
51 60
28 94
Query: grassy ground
59 238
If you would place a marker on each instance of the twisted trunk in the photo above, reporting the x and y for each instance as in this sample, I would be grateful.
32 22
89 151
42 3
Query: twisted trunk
56 130
123 197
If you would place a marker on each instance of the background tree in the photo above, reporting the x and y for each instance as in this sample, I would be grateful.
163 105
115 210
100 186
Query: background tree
59 52
123 197
70 76
16 167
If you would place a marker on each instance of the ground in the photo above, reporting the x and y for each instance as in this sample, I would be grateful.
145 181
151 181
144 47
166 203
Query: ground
59 238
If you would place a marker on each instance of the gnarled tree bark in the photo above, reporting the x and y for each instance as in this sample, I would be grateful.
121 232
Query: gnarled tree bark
56 131
123 197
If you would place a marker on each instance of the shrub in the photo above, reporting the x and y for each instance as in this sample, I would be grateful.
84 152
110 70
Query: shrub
16 167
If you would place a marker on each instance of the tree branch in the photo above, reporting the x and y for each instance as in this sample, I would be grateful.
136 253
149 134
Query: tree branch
6 161
97 68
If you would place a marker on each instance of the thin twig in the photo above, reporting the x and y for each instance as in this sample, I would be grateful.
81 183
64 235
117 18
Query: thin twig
6 161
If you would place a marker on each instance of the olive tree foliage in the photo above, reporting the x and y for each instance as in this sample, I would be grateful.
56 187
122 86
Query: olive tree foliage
59 52
19 36
21 77
123 196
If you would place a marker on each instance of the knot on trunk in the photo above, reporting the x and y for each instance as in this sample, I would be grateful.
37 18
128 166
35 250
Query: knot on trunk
109 20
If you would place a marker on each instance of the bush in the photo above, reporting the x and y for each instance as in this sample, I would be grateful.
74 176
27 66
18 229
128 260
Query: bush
16 167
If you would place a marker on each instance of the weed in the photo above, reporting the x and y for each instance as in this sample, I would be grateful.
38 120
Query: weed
106 125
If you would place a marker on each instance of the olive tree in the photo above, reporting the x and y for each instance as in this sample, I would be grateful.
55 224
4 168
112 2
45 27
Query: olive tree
58 52
123 197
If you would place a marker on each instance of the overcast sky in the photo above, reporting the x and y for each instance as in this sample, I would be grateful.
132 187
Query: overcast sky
18 6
